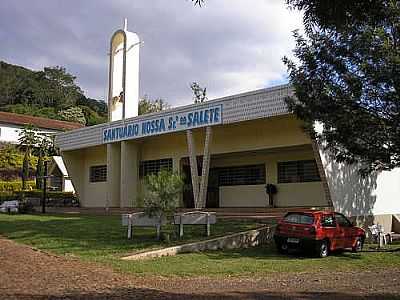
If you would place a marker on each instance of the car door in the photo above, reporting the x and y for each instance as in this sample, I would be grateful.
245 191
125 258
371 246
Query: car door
346 230
330 230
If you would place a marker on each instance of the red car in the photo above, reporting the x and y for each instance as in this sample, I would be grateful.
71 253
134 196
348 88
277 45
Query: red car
321 231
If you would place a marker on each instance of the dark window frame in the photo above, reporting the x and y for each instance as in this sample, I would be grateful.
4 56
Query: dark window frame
242 175
298 171
150 167
299 218
98 173
346 220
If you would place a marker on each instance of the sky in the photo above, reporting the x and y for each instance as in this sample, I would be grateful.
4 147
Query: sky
227 46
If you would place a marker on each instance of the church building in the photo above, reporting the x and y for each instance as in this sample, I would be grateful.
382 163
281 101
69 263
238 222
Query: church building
228 150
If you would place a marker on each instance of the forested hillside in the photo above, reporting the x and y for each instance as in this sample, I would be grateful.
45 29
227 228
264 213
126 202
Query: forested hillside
51 93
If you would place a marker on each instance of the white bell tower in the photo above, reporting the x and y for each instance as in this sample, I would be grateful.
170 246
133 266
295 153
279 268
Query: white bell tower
123 77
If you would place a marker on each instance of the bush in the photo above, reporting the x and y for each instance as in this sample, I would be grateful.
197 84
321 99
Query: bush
11 158
7 196
14 186
25 207
162 193
53 195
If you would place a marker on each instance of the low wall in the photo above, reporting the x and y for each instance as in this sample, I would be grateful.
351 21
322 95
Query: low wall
386 220
244 239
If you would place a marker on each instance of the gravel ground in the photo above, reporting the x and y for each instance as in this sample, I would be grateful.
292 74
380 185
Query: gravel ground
26 273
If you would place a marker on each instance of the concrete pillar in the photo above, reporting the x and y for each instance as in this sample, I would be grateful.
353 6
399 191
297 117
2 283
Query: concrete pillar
176 164
205 168
193 167
129 173
113 174
321 171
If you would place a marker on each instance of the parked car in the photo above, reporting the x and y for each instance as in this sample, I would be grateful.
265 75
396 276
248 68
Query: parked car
320 231
9 206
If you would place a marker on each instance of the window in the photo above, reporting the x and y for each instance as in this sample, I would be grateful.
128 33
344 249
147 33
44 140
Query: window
296 218
298 171
98 173
149 167
342 220
243 175
328 221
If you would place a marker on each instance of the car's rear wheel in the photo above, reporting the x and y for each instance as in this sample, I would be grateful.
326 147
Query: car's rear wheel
358 245
323 249
282 247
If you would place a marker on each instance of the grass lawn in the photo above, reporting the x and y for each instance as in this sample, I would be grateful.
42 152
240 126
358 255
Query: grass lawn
103 239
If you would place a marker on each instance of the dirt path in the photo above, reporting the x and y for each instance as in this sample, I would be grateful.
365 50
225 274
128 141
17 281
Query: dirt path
29 274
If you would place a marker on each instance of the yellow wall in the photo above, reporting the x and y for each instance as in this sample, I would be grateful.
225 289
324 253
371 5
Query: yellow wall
78 162
289 194
244 136
243 196
269 140
95 193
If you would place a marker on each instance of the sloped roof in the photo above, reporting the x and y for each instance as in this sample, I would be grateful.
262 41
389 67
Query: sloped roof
60 164
18 119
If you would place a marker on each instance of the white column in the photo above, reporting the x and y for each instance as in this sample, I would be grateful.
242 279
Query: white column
205 168
129 173
193 167
113 174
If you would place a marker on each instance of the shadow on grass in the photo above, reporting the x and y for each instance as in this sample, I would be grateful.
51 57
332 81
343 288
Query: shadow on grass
269 252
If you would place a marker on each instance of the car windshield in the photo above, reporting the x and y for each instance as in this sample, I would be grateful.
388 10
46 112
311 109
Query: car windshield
298 218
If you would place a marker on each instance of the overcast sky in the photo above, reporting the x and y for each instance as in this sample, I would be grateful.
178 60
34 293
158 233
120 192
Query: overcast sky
227 46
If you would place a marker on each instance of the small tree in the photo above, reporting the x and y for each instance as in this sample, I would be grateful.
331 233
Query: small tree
27 140
147 105
73 114
45 149
162 194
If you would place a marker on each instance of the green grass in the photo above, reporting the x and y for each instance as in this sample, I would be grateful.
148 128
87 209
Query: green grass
99 236
102 239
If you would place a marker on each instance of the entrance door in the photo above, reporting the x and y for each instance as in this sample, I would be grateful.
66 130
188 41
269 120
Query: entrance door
188 200
212 198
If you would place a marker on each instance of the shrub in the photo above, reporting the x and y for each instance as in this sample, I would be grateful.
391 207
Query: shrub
7 196
162 193
12 158
13 186
25 207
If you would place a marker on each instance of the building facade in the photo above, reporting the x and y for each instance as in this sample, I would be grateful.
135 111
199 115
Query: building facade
255 141
238 144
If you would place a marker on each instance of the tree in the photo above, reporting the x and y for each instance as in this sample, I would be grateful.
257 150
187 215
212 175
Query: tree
162 194
27 140
199 187
62 91
45 149
347 78
146 105
45 93
73 114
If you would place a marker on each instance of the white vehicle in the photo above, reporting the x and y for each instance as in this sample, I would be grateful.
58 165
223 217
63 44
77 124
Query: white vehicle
9 206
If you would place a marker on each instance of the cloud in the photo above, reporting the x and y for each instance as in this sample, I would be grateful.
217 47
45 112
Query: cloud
227 46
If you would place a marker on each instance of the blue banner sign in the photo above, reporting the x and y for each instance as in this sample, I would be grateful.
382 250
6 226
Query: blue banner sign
163 124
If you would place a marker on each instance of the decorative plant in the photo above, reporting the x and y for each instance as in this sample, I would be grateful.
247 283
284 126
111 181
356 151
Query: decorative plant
28 139
44 150
162 194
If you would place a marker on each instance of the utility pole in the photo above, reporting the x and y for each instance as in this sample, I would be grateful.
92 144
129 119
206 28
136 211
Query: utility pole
44 188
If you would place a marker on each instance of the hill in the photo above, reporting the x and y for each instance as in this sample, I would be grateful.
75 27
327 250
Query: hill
51 93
